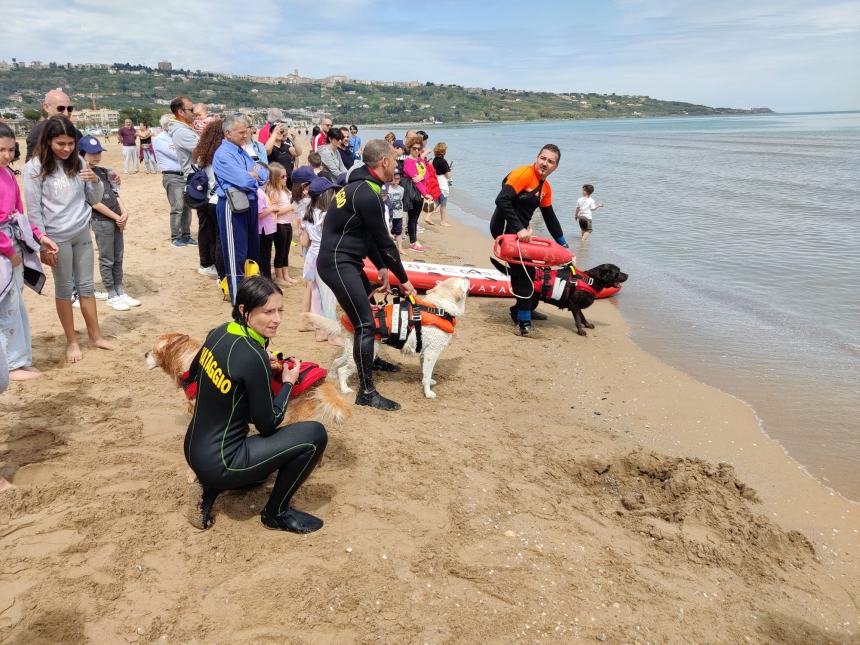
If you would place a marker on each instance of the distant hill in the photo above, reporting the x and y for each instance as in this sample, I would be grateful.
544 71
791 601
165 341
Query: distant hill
136 90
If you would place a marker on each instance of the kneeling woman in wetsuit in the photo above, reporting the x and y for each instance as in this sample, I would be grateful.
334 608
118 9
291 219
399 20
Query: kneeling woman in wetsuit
233 377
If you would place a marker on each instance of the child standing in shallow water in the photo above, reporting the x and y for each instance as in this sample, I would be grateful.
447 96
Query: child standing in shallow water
585 206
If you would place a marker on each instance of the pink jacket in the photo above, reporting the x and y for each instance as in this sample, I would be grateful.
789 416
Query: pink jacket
10 203
416 170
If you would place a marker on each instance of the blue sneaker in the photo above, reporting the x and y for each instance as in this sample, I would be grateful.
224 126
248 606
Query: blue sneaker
177 243
190 241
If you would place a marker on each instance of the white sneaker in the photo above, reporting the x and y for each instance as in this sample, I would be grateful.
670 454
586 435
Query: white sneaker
76 303
101 295
209 272
131 302
118 303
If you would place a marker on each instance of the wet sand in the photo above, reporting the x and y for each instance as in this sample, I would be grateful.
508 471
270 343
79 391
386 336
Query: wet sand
559 488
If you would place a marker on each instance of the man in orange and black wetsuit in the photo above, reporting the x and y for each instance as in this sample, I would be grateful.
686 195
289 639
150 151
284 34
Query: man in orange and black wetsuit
524 190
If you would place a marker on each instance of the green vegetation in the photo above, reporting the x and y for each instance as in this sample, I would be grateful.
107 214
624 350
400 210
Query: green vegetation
141 92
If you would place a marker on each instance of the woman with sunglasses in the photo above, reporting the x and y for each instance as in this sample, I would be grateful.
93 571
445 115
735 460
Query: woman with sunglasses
56 104
415 167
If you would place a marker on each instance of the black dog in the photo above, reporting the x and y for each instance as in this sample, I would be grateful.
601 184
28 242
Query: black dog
583 290
572 291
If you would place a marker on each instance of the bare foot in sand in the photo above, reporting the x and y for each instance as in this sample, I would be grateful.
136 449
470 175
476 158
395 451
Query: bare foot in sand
4 484
73 353
321 336
24 374
337 341
304 328
445 224
100 343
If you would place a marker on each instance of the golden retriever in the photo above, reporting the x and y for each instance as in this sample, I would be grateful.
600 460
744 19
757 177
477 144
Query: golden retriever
174 353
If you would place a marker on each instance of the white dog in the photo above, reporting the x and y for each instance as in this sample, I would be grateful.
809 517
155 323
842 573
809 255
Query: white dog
449 295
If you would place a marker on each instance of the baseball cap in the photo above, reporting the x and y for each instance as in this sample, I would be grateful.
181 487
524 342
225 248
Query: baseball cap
319 185
399 144
90 144
303 175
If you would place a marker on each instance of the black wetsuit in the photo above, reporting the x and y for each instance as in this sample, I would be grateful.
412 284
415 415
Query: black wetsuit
234 389
523 192
355 227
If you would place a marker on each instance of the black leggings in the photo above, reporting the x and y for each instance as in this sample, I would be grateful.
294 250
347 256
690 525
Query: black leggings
266 241
522 277
283 238
293 451
208 243
352 288
412 223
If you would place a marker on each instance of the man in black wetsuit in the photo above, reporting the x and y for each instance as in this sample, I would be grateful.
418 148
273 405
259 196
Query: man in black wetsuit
523 191
354 228
234 388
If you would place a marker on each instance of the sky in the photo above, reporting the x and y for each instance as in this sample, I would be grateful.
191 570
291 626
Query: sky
789 55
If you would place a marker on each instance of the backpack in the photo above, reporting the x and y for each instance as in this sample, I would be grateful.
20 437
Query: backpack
197 189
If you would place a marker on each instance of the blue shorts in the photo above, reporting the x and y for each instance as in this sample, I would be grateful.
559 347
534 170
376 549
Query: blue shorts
443 199
397 226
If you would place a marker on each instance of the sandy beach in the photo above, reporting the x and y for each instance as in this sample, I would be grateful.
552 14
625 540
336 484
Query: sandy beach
559 489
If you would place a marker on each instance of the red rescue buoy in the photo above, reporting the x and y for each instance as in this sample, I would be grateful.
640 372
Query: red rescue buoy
537 252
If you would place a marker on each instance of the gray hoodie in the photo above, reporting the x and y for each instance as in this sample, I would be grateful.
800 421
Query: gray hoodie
59 205
184 141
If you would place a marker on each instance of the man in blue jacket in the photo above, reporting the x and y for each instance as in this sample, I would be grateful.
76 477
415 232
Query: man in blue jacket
237 178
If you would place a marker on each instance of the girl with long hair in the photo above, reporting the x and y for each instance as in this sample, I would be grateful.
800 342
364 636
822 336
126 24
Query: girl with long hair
59 188
208 238
322 299
274 224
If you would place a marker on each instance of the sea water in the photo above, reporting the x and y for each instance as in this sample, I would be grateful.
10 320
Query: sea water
742 239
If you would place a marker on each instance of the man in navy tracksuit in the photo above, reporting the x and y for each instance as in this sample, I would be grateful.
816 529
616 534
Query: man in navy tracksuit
235 169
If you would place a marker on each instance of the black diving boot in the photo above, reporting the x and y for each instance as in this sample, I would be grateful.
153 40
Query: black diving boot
374 399
291 520
525 327
200 503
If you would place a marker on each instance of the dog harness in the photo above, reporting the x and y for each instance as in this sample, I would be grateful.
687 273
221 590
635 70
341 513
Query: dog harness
555 286
393 321
309 375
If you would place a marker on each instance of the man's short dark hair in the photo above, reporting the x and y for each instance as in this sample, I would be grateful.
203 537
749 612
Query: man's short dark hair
423 135
178 104
336 134
552 148
314 159
588 188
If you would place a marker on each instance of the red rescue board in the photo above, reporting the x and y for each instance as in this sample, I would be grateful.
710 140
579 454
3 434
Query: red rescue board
482 282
